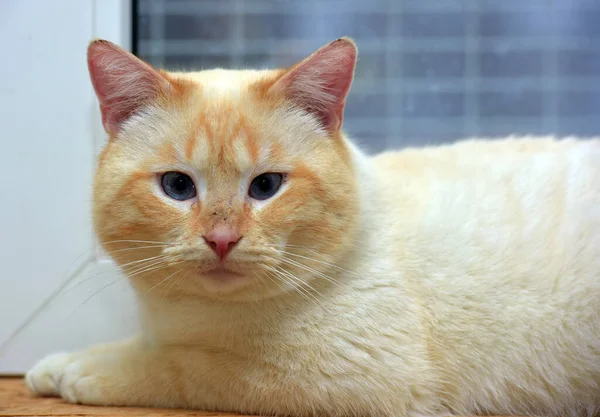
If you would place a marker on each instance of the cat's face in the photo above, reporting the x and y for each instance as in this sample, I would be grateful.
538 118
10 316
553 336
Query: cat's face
230 184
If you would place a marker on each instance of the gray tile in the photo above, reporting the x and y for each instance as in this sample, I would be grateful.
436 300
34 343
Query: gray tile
439 5
543 22
434 129
574 63
209 27
143 28
366 105
356 25
579 22
370 66
429 24
524 103
428 64
276 26
520 5
587 126
511 63
429 105
579 104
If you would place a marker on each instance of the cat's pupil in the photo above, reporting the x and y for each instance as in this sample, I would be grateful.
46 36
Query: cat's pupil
265 185
180 184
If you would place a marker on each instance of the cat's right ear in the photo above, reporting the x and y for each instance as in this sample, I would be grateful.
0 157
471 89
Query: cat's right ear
123 83
320 83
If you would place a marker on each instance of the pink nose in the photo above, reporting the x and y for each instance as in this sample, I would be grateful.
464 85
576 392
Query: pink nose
222 241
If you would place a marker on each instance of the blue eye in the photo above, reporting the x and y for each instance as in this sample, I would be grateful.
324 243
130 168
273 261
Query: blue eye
265 186
178 186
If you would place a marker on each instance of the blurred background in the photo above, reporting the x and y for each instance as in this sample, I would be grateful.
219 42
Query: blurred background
429 71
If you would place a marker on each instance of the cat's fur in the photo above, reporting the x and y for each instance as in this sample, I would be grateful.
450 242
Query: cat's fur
455 279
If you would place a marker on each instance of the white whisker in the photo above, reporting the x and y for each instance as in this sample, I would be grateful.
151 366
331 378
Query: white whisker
320 262
311 270
301 282
164 280
113 282
137 241
141 271
110 252
144 260
156 266
176 281
104 273
297 285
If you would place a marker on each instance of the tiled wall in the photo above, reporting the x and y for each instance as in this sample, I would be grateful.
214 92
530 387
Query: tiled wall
429 70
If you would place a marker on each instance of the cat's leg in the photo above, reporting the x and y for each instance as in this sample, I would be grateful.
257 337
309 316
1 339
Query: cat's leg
124 373
133 374
45 377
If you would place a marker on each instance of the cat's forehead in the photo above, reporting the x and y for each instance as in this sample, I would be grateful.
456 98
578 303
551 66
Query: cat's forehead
221 83
231 142
217 127
222 125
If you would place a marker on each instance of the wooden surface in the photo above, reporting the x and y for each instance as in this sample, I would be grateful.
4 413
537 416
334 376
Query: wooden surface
16 401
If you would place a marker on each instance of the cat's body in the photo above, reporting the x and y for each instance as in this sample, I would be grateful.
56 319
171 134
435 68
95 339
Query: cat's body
456 279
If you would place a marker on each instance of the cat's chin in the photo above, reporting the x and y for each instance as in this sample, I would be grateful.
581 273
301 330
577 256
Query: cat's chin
224 280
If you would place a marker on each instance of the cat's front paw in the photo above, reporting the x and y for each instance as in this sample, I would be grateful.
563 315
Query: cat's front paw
45 377
76 378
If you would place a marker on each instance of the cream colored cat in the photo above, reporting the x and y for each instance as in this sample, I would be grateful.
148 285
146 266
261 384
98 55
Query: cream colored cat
280 270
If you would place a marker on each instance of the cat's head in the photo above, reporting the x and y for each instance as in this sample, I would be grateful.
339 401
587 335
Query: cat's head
229 184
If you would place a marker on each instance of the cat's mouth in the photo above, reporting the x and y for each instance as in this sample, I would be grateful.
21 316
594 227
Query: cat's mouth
221 279
225 277
222 274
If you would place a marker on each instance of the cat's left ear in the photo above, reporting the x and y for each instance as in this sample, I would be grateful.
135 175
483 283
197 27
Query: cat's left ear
123 83
320 83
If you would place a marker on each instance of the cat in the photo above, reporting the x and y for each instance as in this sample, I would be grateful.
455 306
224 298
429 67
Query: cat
280 270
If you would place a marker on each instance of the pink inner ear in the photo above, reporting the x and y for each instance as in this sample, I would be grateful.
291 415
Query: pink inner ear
320 83
123 83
